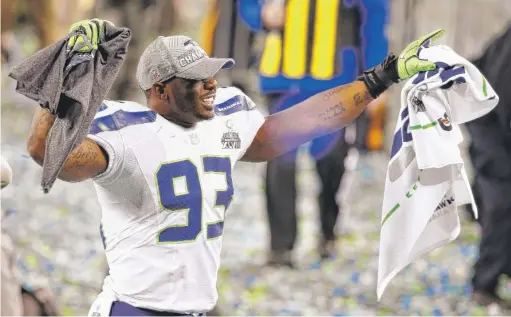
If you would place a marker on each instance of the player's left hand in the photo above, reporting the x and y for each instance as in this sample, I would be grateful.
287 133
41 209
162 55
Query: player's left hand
394 69
89 33
409 63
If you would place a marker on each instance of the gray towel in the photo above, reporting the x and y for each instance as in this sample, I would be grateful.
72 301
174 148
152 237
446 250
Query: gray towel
70 85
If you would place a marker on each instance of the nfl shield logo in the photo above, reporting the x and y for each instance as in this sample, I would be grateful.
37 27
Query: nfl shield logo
155 74
194 138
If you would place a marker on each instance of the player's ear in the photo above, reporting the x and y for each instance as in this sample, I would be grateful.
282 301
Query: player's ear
159 90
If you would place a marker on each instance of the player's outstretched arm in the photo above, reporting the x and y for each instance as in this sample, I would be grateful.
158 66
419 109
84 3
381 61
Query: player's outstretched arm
321 114
87 160
336 108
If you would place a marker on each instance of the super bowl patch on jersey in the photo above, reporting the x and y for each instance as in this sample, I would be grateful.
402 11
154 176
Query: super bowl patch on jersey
230 139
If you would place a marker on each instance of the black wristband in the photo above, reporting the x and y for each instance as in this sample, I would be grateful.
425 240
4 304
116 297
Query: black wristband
380 78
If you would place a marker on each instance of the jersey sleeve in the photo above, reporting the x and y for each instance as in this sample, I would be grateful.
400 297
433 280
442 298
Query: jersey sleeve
235 106
102 132
253 119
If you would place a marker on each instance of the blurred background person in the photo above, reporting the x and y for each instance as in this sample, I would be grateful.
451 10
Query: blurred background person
490 152
18 299
49 19
147 19
224 34
312 46
11 304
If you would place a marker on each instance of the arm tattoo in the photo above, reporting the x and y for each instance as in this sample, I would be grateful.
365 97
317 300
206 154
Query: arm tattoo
329 93
83 156
332 112
360 99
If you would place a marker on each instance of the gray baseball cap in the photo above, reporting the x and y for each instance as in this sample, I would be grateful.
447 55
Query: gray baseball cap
177 56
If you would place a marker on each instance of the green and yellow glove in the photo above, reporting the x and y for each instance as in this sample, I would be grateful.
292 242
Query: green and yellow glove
408 62
89 33
393 69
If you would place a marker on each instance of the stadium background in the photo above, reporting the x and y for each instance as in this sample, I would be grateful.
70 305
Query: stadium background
58 237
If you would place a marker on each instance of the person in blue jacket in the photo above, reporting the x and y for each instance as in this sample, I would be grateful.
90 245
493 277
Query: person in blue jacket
312 45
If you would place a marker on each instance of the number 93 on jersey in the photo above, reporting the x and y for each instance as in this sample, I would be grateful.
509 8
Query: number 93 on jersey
181 189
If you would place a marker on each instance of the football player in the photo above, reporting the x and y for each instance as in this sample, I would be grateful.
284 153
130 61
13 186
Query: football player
162 171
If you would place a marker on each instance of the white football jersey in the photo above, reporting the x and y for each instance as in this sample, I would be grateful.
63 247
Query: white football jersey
164 196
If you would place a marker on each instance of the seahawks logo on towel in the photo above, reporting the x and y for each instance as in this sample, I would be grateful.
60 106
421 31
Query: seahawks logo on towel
445 123
418 105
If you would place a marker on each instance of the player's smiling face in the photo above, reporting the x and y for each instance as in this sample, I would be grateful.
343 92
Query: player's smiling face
184 101
195 99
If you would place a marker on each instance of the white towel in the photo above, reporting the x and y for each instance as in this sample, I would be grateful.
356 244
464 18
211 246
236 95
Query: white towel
426 180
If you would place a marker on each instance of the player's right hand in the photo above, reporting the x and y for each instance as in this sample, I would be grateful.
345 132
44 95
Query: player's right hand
89 33
409 63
